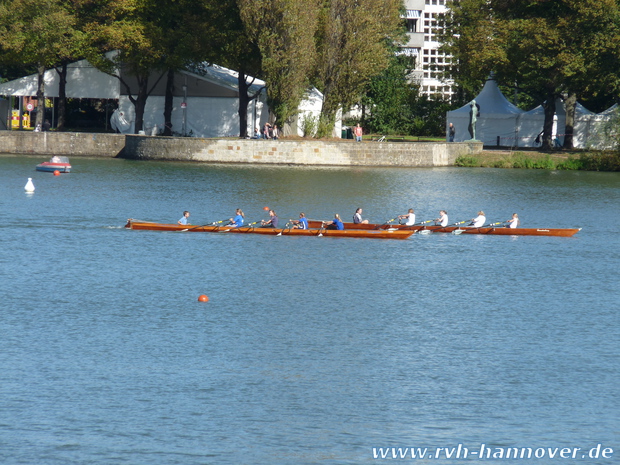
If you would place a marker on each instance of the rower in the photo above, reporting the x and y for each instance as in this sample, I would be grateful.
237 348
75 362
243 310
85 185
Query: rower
513 222
301 223
478 221
272 222
410 216
237 221
336 223
443 218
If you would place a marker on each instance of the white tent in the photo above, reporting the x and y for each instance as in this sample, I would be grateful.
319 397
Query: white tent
502 123
497 119
600 129
205 103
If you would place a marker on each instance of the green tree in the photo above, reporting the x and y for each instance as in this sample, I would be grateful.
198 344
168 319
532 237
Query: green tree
284 32
548 47
38 33
389 97
238 49
354 43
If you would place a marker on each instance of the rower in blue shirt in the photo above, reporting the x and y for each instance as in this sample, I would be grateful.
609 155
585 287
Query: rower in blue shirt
336 223
301 223
237 221
183 220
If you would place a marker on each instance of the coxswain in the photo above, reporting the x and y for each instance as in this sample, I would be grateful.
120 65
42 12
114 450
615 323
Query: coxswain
357 217
183 220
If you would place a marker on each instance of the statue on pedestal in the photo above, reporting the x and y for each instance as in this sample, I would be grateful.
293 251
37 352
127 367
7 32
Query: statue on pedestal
474 112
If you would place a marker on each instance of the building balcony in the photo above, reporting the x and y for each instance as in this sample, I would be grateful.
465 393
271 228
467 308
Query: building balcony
414 40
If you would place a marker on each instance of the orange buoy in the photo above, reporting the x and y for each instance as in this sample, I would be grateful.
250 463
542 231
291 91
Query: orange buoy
56 173
266 208
203 298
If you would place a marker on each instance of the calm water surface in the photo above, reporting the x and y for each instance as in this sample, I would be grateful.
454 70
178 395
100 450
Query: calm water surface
310 350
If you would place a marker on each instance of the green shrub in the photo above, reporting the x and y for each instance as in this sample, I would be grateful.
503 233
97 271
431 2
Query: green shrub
601 161
467 161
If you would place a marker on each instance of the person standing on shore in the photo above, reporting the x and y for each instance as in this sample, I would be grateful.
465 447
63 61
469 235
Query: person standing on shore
451 132
358 132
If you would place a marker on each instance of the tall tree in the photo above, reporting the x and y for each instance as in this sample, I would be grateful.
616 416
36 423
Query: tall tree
284 31
131 27
354 43
389 99
236 47
39 33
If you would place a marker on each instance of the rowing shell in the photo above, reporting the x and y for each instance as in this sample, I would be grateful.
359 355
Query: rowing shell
501 231
391 233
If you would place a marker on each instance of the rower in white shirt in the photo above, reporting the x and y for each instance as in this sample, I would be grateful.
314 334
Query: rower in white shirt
410 216
443 218
513 222
479 220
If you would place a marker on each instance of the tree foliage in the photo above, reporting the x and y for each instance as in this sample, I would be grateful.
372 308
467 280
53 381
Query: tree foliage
284 31
354 43
38 33
547 47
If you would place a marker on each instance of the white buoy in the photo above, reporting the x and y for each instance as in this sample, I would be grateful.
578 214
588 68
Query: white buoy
29 186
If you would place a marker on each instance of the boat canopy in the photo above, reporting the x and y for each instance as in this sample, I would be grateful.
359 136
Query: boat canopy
59 159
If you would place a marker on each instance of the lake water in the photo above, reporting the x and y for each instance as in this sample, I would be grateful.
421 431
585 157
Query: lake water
311 350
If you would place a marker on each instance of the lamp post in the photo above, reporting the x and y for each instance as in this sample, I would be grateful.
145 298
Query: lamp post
184 108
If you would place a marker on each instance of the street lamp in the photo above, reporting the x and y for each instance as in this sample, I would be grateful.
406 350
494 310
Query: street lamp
184 107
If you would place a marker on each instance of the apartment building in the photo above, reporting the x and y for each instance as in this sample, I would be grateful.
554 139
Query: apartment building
421 17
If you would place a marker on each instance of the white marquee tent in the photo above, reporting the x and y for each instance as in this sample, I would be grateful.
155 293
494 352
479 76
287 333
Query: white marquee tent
498 117
502 123
204 105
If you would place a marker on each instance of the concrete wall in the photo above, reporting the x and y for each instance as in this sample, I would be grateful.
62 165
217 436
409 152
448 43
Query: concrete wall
62 143
301 152
310 152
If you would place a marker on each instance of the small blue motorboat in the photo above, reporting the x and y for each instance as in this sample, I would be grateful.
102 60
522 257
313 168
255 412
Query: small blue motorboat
56 163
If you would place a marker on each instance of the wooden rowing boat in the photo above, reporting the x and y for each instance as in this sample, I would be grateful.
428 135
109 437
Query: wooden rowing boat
497 231
392 233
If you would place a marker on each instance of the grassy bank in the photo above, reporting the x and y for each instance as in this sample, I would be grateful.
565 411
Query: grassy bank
588 161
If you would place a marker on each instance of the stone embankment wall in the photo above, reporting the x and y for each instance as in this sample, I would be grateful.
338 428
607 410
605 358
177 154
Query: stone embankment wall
62 143
310 152
302 152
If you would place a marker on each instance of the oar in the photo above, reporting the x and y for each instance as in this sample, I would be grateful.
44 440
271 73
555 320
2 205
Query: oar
461 231
244 226
428 231
387 222
204 225
288 225
424 231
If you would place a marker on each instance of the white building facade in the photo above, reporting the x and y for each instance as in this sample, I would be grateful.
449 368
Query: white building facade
422 43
